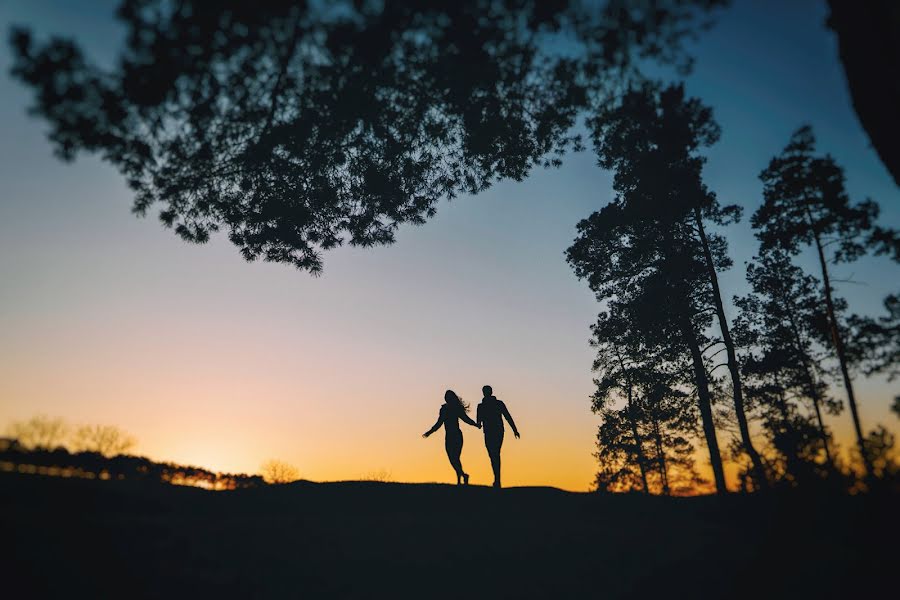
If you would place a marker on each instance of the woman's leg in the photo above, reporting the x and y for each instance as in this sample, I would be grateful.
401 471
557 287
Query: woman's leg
453 445
464 474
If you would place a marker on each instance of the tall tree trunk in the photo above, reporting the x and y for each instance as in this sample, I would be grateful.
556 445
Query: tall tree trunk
822 431
704 401
842 359
811 384
661 458
737 391
638 442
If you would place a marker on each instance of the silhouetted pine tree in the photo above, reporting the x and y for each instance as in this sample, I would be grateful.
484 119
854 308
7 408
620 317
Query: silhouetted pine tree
806 204
676 128
620 470
669 417
778 325
644 439
651 140
619 434
646 266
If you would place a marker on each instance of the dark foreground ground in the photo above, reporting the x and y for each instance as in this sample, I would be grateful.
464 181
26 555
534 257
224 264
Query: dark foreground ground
78 538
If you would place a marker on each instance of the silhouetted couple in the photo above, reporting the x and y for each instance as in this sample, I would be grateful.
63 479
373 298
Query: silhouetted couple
490 415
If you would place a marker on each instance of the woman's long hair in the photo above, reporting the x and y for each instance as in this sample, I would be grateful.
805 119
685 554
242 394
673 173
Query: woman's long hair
455 401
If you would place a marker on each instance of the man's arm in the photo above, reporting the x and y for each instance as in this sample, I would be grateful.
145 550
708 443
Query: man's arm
478 417
509 418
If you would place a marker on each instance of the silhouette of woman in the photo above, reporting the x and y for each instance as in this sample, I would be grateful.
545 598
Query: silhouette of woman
451 412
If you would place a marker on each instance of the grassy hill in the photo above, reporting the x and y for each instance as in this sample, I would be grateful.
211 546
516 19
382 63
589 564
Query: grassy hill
115 539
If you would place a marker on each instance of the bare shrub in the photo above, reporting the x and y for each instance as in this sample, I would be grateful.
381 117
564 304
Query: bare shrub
40 431
276 471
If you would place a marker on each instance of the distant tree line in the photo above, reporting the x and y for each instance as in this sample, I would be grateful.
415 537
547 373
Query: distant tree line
42 432
652 257
93 465
39 446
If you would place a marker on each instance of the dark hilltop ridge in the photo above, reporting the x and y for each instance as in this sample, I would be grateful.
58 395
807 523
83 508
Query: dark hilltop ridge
127 539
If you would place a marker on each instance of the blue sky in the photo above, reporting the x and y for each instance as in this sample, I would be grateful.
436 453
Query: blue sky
208 359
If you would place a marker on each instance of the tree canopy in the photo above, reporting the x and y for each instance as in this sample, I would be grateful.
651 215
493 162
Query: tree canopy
298 126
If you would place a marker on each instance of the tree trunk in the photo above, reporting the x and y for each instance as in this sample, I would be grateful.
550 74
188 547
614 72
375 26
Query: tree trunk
842 359
661 458
640 447
738 395
638 442
822 431
705 403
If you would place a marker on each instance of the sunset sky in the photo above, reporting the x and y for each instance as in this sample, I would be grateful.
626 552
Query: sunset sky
209 360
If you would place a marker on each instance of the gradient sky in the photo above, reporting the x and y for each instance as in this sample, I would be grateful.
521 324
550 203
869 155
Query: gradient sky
209 360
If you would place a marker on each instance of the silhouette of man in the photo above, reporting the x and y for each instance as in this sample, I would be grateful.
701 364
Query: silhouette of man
490 415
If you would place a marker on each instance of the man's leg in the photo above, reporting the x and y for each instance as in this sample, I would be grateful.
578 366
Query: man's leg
494 453
493 443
